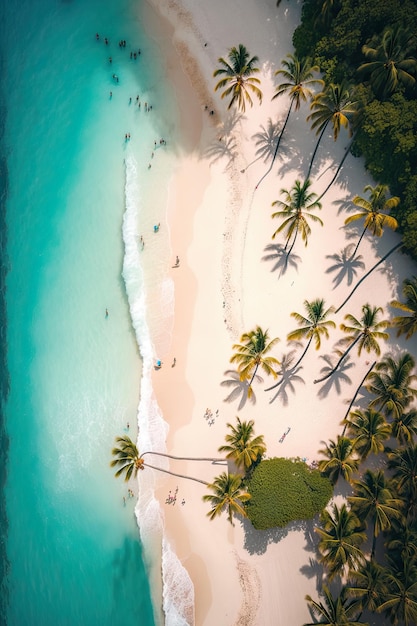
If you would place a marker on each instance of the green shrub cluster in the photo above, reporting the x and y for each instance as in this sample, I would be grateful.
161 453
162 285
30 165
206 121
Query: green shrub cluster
284 490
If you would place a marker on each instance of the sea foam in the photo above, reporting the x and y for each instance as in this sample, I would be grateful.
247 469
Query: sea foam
178 589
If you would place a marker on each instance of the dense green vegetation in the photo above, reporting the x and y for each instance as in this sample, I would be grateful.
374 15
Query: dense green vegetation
284 490
373 47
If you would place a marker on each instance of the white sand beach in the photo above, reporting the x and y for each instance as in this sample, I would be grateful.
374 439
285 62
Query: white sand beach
231 278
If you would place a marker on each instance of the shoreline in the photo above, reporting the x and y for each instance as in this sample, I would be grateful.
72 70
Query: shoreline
227 282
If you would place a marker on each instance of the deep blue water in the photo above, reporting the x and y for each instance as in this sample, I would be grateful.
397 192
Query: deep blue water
70 550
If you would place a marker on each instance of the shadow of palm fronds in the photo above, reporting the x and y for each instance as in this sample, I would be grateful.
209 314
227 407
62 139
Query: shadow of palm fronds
225 147
278 254
288 376
345 265
337 377
241 388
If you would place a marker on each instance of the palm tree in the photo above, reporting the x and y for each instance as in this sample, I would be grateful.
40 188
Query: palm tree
297 202
243 447
364 332
340 539
368 584
251 354
313 326
340 459
129 460
238 77
403 463
298 81
391 63
333 105
391 384
369 430
400 603
335 611
373 501
228 494
375 219
404 427
407 324
401 541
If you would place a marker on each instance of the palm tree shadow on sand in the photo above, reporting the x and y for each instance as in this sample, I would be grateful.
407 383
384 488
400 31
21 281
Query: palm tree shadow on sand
346 266
338 377
288 376
240 388
257 541
282 260
224 148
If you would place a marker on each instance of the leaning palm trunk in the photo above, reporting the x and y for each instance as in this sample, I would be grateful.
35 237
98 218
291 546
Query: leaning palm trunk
184 458
337 171
293 243
352 256
354 397
159 469
315 149
253 375
277 146
344 355
399 245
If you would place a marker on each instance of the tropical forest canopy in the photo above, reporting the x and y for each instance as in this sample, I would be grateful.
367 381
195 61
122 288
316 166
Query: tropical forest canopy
373 46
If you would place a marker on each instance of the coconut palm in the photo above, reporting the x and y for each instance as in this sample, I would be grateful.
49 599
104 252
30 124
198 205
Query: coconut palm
298 83
243 447
369 430
391 61
391 383
334 611
407 324
129 460
295 211
403 463
341 536
373 501
368 585
400 604
364 332
313 326
251 354
229 495
404 427
332 105
237 77
372 212
340 459
401 540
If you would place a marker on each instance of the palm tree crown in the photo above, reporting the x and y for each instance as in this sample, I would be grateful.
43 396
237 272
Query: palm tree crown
332 105
369 431
340 459
228 494
243 447
407 324
334 611
364 332
251 354
391 384
340 537
372 212
313 326
373 500
238 77
391 61
295 211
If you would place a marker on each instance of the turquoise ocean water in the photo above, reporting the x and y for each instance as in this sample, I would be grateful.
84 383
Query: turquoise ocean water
70 549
